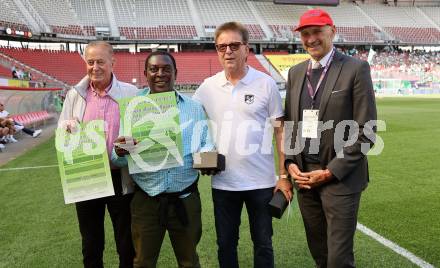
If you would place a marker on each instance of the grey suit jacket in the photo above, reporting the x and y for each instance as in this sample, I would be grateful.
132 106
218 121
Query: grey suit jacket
347 95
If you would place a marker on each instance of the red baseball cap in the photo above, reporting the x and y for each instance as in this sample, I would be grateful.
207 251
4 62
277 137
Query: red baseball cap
314 17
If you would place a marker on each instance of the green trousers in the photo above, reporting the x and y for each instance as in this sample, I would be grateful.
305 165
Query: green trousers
148 234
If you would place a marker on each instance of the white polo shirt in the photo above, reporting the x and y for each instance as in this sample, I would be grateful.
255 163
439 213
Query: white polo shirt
4 114
240 121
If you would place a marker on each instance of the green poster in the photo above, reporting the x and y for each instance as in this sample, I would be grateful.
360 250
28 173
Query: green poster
83 162
153 121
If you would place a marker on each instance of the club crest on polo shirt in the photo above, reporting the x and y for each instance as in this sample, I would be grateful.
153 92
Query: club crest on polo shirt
249 98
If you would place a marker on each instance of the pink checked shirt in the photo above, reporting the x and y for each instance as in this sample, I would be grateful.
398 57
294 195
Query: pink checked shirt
103 108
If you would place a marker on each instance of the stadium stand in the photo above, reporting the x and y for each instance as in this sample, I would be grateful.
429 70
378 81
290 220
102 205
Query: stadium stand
159 32
280 18
415 35
283 19
406 24
91 12
358 21
190 71
50 62
194 67
405 71
360 29
358 34
432 12
154 20
127 67
39 77
12 18
213 13
406 62
17 26
5 72
60 15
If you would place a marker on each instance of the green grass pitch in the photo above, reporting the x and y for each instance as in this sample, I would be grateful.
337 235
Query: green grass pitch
402 203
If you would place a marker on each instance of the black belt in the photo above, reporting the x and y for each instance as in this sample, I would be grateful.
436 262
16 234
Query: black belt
167 199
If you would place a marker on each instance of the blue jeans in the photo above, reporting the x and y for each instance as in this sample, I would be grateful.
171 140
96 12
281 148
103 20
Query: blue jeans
227 212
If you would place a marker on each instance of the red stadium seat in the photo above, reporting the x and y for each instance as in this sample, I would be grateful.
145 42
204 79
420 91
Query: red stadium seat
415 35
32 118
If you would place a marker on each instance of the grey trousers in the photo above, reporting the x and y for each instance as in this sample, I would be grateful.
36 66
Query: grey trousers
330 223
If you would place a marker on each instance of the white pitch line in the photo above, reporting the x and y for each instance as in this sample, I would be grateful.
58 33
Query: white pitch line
24 168
394 247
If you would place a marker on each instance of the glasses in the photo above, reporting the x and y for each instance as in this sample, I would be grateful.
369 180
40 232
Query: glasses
233 46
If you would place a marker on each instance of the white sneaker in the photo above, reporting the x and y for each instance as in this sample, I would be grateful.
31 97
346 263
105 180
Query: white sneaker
37 133
2 146
11 139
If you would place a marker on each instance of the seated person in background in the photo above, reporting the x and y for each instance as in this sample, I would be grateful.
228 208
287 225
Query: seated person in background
3 132
6 130
14 72
15 126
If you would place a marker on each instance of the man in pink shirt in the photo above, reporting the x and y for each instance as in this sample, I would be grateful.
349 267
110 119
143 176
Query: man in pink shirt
95 98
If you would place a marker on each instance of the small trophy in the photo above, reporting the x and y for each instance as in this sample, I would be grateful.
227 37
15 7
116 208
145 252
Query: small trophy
209 161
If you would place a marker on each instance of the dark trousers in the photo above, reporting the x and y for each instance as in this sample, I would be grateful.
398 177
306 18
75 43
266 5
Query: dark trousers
91 215
330 223
25 130
148 232
227 212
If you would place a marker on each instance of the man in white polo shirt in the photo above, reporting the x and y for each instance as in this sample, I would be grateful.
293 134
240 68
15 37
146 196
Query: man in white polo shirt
241 102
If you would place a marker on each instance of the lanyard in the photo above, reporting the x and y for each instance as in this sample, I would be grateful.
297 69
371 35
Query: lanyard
312 92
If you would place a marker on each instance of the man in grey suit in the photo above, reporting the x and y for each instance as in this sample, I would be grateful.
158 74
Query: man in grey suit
330 101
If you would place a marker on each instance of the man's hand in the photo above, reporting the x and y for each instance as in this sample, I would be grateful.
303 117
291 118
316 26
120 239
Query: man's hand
298 176
209 172
129 141
71 125
309 180
317 177
285 186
